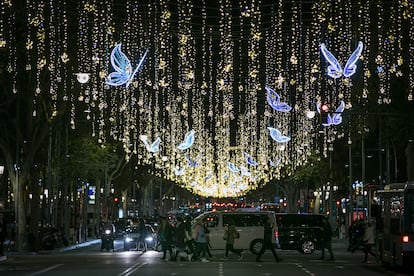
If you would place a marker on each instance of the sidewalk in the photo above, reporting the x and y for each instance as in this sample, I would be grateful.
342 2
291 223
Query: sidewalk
56 250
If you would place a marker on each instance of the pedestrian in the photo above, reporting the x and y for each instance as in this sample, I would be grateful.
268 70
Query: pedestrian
180 238
200 239
189 239
142 231
268 241
230 234
326 240
369 240
207 232
3 235
342 231
165 234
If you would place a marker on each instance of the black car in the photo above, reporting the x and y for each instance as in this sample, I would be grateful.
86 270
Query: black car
300 232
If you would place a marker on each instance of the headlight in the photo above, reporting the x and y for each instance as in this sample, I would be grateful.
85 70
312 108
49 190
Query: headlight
128 239
107 231
149 239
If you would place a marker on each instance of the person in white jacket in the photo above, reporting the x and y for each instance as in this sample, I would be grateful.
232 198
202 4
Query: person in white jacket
369 240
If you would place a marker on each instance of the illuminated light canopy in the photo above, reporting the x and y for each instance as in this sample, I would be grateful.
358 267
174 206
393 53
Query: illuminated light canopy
154 147
334 70
188 140
274 101
277 135
123 69
82 77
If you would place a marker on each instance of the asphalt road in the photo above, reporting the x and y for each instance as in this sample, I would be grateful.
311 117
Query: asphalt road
89 261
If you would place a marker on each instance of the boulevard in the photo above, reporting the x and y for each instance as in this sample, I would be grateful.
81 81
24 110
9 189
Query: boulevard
88 260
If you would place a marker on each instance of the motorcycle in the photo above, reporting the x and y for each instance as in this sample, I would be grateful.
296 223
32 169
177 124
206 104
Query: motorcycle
107 239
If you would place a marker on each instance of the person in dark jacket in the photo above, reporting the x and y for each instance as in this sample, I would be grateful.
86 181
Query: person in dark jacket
230 234
326 240
165 234
3 234
268 241
180 238
142 231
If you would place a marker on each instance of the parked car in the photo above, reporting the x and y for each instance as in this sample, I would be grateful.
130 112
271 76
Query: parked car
249 225
300 232
131 238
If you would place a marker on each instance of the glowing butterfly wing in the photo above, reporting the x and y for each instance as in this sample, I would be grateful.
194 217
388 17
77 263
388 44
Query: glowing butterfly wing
188 141
277 136
328 120
137 68
192 163
250 160
245 171
144 139
122 66
155 146
337 116
350 66
179 171
232 167
334 69
273 100
274 164
208 176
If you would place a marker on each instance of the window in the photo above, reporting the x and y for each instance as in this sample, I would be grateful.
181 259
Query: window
243 220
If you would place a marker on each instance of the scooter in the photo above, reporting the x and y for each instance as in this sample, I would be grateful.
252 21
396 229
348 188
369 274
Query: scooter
107 240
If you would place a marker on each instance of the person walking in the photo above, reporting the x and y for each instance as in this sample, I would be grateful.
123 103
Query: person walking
326 240
180 237
142 231
230 234
3 235
268 241
165 234
200 239
368 240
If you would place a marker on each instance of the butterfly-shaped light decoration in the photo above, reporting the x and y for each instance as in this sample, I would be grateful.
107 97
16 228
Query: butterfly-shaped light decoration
277 135
154 147
233 167
179 171
188 140
191 163
123 69
244 171
208 176
250 160
336 117
274 164
274 101
335 70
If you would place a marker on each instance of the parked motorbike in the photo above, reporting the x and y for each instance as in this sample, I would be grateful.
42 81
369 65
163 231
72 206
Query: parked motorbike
107 239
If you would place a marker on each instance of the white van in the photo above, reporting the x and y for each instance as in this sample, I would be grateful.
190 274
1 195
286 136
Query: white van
249 224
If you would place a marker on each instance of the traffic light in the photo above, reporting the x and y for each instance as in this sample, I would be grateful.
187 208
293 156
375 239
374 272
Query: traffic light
116 199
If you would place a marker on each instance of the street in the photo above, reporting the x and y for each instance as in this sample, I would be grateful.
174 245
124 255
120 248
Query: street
89 261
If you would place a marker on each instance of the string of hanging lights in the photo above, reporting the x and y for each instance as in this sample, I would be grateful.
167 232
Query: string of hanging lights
218 96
